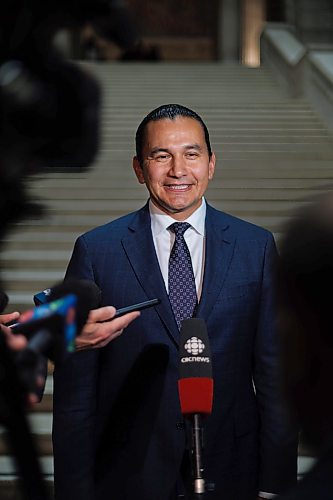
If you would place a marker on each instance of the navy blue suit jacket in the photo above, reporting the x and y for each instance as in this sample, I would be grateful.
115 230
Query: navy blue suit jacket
118 431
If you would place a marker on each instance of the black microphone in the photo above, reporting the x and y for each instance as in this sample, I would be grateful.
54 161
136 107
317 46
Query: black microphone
53 325
195 387
86 287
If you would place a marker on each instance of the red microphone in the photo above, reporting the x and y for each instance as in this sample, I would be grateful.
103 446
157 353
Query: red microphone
195 387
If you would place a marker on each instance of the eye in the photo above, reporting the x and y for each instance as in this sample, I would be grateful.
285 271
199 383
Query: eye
192 155
162 157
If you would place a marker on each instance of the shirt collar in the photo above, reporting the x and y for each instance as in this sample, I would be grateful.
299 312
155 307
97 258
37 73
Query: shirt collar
160 221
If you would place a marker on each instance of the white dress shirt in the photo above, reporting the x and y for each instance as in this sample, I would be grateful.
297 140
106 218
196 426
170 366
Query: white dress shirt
194 237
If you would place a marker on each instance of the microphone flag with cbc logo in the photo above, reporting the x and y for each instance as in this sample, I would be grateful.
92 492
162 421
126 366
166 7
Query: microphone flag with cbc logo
195 384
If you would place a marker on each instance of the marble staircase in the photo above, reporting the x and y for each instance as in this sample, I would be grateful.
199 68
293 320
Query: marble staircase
274 154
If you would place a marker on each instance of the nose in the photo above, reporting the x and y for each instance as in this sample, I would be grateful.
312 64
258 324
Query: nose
177 167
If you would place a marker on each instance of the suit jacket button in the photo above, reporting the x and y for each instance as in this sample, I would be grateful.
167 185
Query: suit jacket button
180 426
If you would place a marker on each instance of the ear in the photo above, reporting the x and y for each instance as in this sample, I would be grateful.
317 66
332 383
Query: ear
211 166
138 170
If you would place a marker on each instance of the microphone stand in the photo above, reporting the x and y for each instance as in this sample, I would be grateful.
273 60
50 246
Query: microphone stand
196 458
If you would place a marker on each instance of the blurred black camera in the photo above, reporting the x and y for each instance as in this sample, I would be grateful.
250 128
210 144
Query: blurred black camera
49 120
49 106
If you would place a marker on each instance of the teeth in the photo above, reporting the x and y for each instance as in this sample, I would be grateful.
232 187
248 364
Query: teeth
178 187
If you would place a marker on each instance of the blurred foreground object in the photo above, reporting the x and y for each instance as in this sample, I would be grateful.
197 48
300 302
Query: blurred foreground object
306 320
49 107
49 118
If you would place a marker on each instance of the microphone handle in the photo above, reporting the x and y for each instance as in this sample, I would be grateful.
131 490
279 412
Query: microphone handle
31 362
41 341
13 417
198 479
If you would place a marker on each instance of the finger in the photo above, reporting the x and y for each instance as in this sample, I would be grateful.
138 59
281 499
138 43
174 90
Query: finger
105 341
108 331
6 318
96 335
40 381
101 314
101 341
124 321
32 399
96 338
15 342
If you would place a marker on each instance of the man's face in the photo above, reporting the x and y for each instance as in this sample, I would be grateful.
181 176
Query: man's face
176 165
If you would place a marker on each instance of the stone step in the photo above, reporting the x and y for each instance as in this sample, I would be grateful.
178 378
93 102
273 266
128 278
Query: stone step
35 280
131 112
40 421
52 188
105 198
72 227
43 443
40 256
45 405
64 241
9 487
50 236
40 244
40 427
248 142
267 168
227 123
74 224
295 151
65 209
7 466
227 129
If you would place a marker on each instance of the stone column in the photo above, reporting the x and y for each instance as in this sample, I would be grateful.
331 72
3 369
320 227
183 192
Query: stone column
253 16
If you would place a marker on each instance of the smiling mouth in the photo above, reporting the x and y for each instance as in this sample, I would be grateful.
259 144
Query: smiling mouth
178 187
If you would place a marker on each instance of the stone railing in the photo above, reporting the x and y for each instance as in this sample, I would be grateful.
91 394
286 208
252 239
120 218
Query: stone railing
303 70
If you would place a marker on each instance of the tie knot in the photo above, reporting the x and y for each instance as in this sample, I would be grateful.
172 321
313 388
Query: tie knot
179 228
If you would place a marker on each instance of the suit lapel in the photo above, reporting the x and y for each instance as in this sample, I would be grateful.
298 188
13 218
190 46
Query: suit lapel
140 250
218 255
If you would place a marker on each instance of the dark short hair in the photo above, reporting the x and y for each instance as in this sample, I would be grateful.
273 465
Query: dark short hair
167 111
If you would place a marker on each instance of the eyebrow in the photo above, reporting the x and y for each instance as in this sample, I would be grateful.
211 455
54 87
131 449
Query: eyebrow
158 150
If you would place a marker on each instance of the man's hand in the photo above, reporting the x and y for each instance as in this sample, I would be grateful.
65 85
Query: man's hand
14 342
101 328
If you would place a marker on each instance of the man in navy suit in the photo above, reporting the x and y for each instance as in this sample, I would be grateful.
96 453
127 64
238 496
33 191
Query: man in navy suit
118 430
